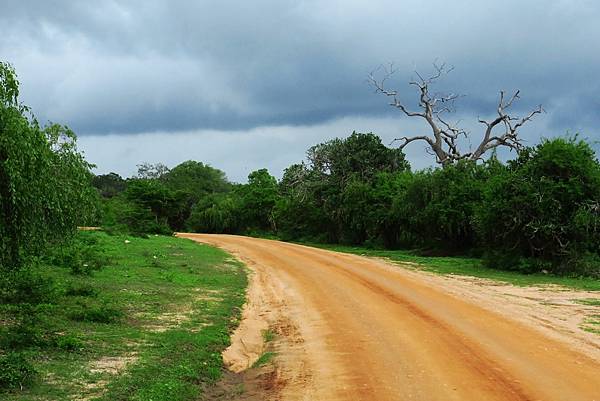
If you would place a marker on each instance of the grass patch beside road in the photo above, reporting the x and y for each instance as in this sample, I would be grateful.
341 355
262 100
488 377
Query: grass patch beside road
148 325
465 267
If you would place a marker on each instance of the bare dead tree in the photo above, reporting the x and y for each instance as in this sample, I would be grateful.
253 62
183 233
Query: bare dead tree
444 137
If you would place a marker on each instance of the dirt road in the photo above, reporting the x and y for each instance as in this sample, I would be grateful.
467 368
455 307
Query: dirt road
352 328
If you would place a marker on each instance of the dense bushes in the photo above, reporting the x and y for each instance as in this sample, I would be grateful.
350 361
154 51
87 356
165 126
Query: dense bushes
15 371
539 212
159 200
542 211
330 198
435 208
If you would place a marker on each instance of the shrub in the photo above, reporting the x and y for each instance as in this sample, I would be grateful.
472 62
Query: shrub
24 334
26 286
435 207
96 314
68 342
82 255
544 206
81 290
15 371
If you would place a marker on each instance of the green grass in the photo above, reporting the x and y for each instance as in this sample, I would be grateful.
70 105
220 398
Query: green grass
465 267
264 359
592 324
268 335
589 301
161 310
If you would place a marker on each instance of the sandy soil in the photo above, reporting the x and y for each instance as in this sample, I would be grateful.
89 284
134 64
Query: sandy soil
354 328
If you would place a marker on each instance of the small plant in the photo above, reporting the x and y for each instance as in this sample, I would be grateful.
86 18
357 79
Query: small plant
264 359
25 334
15 371
68 342
268 335
169 277
97 314
82 290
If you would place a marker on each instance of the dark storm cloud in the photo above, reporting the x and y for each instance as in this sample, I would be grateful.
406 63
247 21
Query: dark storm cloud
126 67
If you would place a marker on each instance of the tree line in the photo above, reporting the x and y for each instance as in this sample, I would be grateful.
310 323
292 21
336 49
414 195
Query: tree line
538 212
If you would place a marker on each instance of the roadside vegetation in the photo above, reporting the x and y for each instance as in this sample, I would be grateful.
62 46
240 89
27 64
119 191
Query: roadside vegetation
76 308
85 315
538 213
469 266
133 318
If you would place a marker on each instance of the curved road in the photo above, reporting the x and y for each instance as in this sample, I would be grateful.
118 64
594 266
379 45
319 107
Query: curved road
354 328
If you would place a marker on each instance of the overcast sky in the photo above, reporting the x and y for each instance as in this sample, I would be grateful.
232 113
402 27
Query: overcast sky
250 84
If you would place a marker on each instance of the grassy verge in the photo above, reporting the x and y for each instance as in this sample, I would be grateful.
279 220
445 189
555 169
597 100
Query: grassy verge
149 325
466 267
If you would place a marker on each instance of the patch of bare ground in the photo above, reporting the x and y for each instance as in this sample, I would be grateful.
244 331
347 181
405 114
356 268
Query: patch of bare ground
177 314
105 368
557 311
554 310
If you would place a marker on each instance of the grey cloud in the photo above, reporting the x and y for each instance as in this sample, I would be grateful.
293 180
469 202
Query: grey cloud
125 67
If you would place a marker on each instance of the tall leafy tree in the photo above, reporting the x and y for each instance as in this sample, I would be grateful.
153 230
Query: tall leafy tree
196 178
45 183
543 210
109 185
191 182
258 200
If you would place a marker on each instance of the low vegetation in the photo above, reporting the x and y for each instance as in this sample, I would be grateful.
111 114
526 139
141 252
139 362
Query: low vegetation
149 323
468 266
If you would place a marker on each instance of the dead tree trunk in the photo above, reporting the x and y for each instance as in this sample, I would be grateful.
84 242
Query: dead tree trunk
442 142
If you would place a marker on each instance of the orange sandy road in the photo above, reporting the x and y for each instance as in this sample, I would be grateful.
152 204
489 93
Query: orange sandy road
367 331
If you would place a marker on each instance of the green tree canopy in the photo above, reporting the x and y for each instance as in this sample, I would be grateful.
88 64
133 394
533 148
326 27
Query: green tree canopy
45 183
545 205
258 199
109 185
360 155
197 179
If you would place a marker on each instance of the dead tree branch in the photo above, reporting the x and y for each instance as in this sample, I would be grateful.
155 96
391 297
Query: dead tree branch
442 142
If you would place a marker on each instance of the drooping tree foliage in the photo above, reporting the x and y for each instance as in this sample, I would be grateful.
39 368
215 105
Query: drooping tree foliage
45 193
247 208
45 183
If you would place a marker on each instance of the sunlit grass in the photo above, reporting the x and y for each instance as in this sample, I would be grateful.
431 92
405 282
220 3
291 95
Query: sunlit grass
150 325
